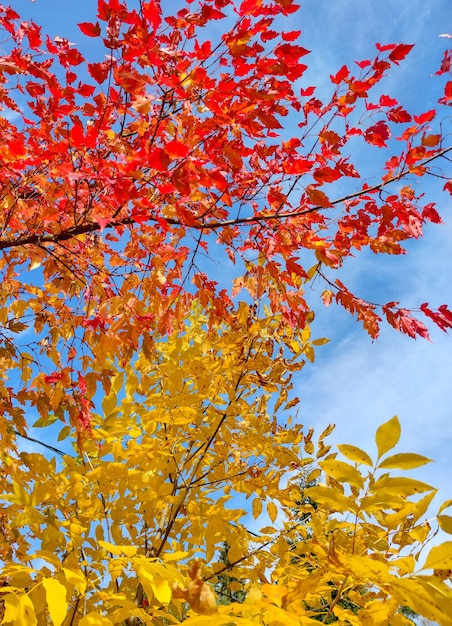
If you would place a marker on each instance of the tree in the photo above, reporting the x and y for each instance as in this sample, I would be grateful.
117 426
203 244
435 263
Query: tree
168 385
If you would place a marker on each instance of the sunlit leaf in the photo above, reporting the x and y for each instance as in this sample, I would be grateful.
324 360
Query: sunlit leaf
439 557
403 461
355 454
387 436
56 600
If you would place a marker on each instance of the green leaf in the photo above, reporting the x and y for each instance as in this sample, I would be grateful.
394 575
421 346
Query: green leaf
404 460
387 436
354 454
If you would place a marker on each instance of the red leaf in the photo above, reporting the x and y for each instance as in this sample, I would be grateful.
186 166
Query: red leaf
99 71
317 197
400 52
428 116
307 92
378 134
411 326
152 13
53 378
442 317
293 267
298 166
89 29
386 101
384 48
33 33
446 63
431 214
330 137
447 93
176 149
294 34
340 76
250 7
399 115
158 159
326 175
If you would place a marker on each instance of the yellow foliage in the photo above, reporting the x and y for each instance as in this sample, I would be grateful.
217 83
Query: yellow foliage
186 449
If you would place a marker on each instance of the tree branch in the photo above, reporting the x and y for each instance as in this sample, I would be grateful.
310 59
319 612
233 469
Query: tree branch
92 227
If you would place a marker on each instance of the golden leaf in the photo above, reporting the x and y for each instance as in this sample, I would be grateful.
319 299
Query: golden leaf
355 454
257 507
445 523
272 511
404 460
439 557
342 472
387 436
56 600
95 619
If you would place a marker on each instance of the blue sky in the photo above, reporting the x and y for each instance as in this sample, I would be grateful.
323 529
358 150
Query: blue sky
355 383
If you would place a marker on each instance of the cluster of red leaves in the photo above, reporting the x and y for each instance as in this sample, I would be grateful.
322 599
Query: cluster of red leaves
122 171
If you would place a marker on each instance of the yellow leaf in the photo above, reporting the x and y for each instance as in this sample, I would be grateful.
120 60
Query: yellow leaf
399 485
445 523
320 342
328 430
422 601
342 472
445 505
405 564
174 556
404 460
257 507
352 453
76 578
439 557
422 505
218 620
12 608
129 550
109 403
161 589
95 619
243 313
331 498
367 569
56 600
272 511
117 381
387 436
27 612
110 547
118 550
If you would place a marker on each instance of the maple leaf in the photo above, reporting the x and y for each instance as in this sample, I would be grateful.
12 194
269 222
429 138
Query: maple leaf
89 29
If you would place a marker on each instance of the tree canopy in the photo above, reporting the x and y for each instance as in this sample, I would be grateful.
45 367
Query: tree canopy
164 385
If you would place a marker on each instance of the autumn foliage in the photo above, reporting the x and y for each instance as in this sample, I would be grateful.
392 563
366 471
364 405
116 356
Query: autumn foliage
166 205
